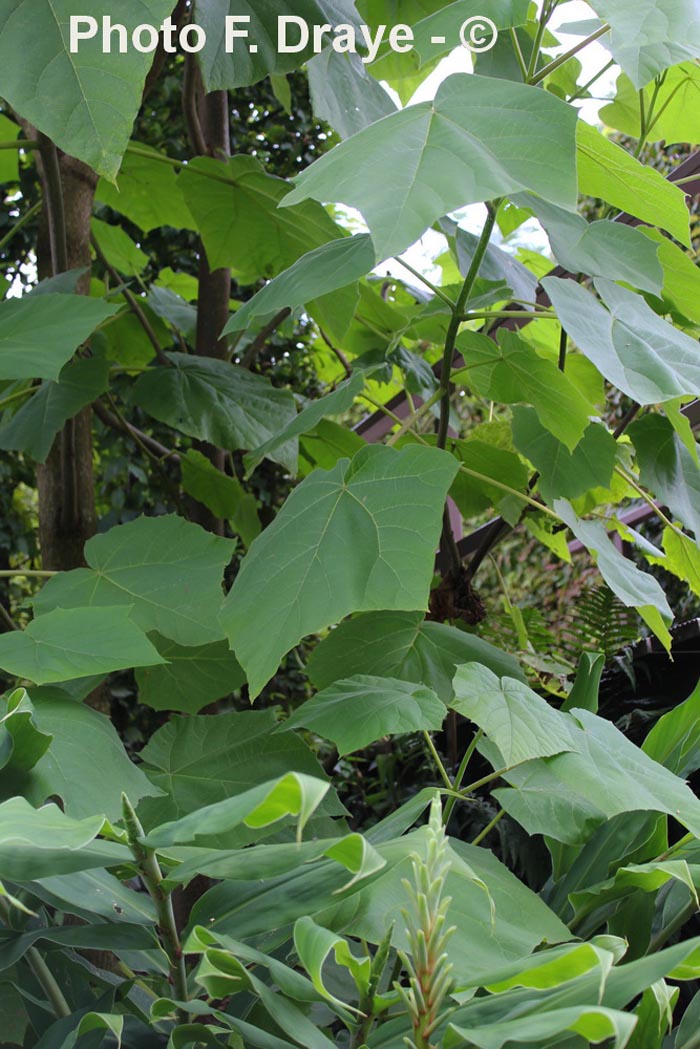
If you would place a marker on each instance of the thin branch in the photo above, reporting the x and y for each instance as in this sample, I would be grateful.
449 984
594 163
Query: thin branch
26 573
489 827
428 283
20 143
53 184
20 223
535 78
258 343
338 353
152 447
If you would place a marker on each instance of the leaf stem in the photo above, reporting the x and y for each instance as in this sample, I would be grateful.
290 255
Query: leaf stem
17 395
451 801
41 971
649 501
489 827
428 283
535 78
28 573
20 143
518 52
20 223
438 760
546 315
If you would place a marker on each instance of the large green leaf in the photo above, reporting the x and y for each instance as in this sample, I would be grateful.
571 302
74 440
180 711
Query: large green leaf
86 764
343 93
22 743
565 473
235 206
76 642
674 740
9 158
85 101
592 1022
359 710
386 506
562 797
96 892
667 468
167 570
512 372
675 111
680 294
497 265
225 496
605 170
38 334
520 723
637 351
648 36
449 158
147 192
192 677
104 936
219 402
33 427
119 249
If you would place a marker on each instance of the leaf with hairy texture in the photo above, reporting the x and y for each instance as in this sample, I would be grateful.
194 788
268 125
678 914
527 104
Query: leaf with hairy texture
449 158
387 505
511 371
167 570
667 468
404 645
331 267
335 403
649 36
76 642
225 496
34 425
192 677
637 351
39 334
22 743
359 710
86 101
344 95
565 473
605 170
146 192
518 721
235 206
218 402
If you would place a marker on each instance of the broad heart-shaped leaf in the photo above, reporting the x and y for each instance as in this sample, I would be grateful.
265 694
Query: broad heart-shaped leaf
167 570
648 36
86 101
406 646
605 170
38 843
225 496
667 468
386 505
450 157
241 66
86 764
674 740
565 473
637 351
203 760
598 249
343 94
675 111
191 678
22 744
147 192
38 334
512 372
219 402
76 642
235 206
335 403
562 797
359 710
518 721
329 268
636 589
33 427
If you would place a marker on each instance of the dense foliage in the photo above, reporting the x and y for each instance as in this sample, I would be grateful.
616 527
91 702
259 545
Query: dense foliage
271 774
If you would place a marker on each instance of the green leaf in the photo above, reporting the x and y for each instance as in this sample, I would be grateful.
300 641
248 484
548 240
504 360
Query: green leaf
203 760
497 265
298 572
520 723
113 1022
584 692
648 36
22 744
359 710
449 158
96 936
343 94
682 558
403 645
561 796
218 402
166 569
565 473
681 289
512 372
86 101
675 111
486 457
235 206
667 468
121 251
38 843
33 427
70 643
674 740
225 496
39 334
592 1022
192 677
605 170
646 877
147 192
86 764
335 403
314 945
9 158
637 351
175 310
333 266
96 892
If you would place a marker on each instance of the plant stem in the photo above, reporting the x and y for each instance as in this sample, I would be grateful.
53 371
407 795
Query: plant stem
453 330
27 573
41 971
428 283
17 395
535 78
486 779
451 801
20 223
489 827
518 53
589 83
438 760
648 500
511 491
20 143
533 315
409 423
